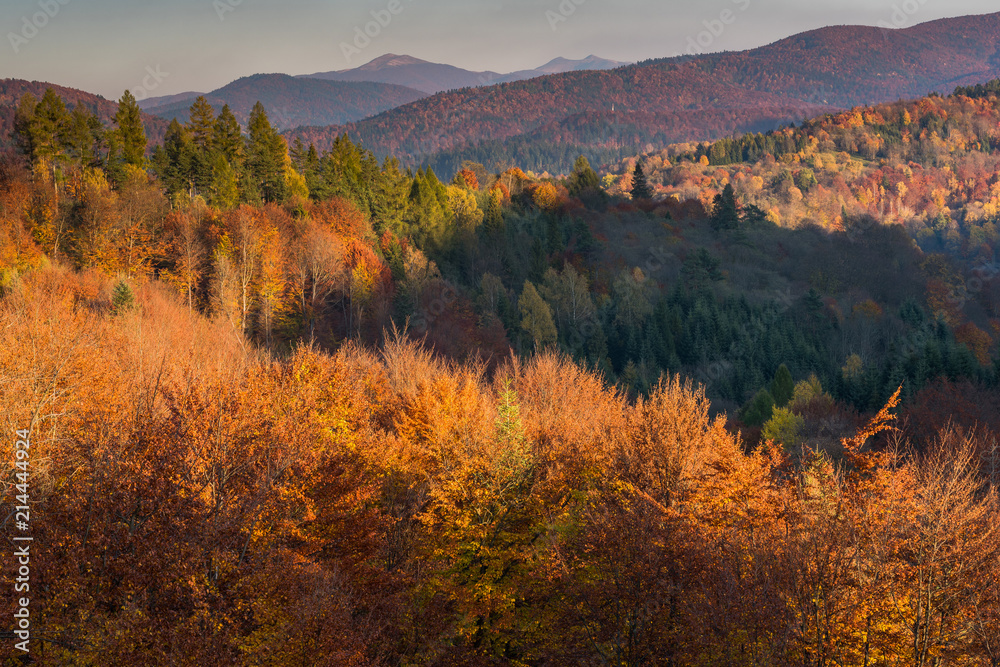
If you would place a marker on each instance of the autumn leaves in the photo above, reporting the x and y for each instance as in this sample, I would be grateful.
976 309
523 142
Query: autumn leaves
199 503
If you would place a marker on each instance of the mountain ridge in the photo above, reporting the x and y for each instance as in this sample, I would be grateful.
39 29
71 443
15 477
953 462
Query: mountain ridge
292 101
11 91
433 78
790 79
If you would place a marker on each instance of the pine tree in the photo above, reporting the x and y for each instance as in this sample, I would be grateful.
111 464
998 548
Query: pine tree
173 163
24 119
83 132
224 190
298 154
42 128
583 178
122 298
640 187
493 218
760 409
782 386
726 213
429 214
202 124
227 136
130 131
266 152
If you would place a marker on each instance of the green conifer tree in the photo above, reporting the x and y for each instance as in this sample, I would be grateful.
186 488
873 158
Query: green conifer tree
130 131
782 386
227 137
202 124
725 212
640 186
265 156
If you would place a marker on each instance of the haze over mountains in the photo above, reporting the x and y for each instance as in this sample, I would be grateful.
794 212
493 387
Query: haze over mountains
543 122
435 78
291 101
331 98
541 119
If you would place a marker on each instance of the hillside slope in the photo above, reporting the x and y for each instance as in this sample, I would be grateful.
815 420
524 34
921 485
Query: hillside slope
11 91
794 78
292 101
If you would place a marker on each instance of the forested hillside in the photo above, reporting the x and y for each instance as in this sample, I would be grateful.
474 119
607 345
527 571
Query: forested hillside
727 404
12 90
538 124
616 109
294 101
850 65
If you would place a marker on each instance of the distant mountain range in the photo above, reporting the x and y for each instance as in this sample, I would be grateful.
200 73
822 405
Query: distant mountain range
291 101
334 98
542 123
435 78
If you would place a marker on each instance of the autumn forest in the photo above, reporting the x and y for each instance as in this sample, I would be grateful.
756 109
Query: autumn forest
715 403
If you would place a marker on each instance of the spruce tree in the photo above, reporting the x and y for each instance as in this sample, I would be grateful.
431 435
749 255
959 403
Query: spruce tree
760 409
44 126
583 178
429 214
201 128
83 131
24 120
227 136
172 161
782 386
265 156
130 131
726 213
122 298
493 219
640 187
298 154
224 189
202 124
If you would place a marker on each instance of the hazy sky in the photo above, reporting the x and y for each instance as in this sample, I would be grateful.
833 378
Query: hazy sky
161 47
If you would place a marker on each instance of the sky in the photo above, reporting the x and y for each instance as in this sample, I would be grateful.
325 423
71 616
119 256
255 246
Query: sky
164 47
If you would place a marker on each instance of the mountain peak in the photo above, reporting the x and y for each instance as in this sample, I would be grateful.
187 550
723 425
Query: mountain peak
591 62
391 60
